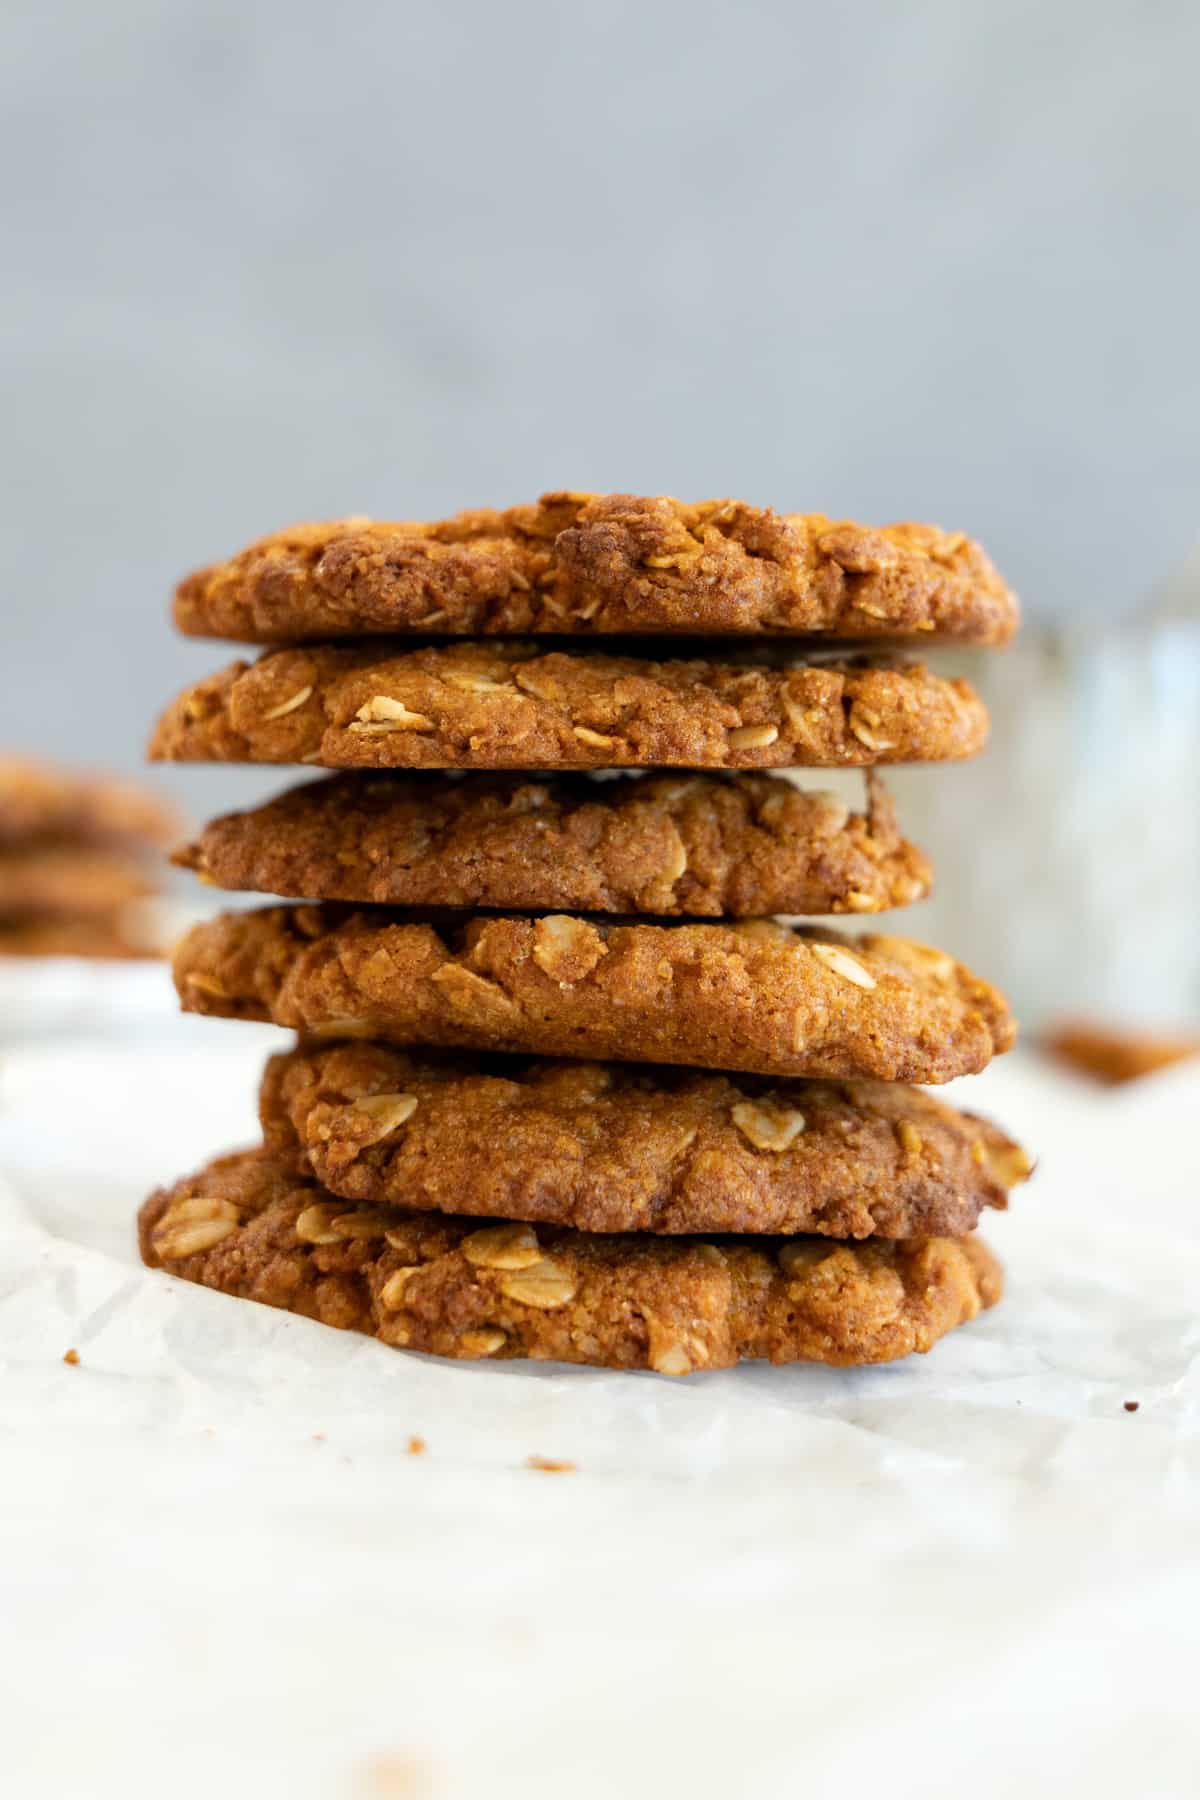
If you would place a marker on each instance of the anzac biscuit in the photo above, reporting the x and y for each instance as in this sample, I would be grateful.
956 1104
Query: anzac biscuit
604 563
68 881
615 1147
39 800
505 705
755 996
97 939
249 1226
697 845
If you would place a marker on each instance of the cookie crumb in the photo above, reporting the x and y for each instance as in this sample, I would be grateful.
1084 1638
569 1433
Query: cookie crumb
1115 1054
417 1446
72 1357
395 1776
1132 1405
551 1465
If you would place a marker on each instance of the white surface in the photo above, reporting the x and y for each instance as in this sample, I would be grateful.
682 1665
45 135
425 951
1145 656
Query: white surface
222 1572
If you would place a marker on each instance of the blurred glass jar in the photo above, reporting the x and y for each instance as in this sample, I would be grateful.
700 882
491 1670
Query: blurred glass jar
1067 857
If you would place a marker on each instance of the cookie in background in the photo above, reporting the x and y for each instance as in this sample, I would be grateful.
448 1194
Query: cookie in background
80 863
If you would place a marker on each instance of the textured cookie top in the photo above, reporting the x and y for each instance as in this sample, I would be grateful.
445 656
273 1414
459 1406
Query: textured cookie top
604 563
248 1226
39 800
496 705
754 996
744 845
611 1147
68 881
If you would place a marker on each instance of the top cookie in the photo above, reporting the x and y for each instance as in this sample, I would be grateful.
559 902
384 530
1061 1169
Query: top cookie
43 802
602 564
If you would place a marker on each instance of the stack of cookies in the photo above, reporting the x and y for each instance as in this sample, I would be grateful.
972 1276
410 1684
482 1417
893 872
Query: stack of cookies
78 855
563 1086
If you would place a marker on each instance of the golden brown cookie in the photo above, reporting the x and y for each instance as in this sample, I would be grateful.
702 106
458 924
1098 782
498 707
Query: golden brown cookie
698 845
612 1147
1116 1053
604 563
498 705
68 881
755 996
248 1226
98 939
40 800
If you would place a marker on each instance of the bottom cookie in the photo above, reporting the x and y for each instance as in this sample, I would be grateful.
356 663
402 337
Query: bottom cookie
247 1225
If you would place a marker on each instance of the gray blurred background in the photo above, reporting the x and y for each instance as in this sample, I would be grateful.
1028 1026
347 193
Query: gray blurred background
272 261
269 261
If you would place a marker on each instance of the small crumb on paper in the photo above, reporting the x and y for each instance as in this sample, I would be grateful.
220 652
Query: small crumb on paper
72 1357
417 1446
1132 1405
394 1776
551 1465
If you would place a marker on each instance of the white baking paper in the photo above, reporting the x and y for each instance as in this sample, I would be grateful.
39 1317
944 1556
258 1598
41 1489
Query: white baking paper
224 1574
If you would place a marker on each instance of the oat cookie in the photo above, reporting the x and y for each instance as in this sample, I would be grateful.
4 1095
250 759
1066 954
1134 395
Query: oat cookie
697 845
97 939
68 881
39 800
248 1226
612 1147
604 563
756 996
504 705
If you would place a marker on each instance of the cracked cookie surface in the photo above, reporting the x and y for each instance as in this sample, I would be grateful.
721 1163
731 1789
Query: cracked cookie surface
507 705
604 564
248 1226
612 1147
694 845
755 996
